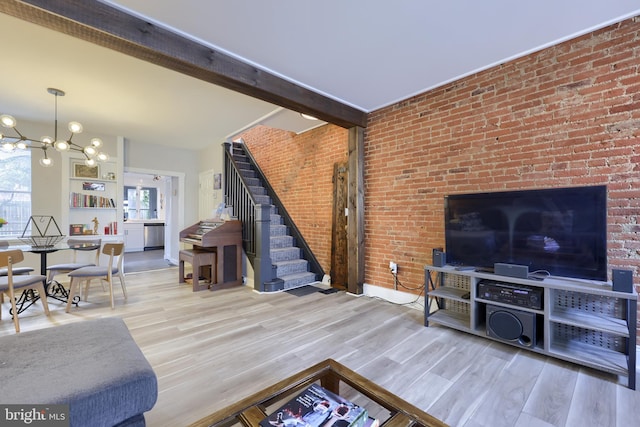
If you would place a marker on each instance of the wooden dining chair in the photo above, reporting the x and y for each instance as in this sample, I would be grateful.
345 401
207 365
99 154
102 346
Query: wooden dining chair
4 245
11 283
115 252
93 244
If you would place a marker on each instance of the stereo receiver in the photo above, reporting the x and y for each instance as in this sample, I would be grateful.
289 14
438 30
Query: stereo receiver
518 295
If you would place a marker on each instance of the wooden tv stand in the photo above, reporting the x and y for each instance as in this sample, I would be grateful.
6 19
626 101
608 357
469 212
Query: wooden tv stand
579 321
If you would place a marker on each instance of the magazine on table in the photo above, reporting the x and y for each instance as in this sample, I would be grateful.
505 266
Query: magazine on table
317 407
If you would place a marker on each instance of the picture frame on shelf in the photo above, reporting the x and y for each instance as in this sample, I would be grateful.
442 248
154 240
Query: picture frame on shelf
93 186
80 170
76 229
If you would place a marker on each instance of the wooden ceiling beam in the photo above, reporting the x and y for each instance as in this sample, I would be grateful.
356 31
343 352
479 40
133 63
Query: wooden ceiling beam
115 29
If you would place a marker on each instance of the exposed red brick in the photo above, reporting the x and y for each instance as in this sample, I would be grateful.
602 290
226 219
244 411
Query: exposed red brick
564 116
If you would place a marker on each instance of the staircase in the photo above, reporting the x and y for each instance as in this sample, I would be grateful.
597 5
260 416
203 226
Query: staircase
286 257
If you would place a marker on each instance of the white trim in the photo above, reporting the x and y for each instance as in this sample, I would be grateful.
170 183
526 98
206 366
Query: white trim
397 297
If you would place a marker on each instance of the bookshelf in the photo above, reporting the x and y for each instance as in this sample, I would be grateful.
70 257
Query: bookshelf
92 195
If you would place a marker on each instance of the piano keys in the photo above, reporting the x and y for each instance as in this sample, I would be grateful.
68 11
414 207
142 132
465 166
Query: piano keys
224 239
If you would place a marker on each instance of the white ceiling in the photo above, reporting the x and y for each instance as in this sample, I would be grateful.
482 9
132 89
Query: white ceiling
365 53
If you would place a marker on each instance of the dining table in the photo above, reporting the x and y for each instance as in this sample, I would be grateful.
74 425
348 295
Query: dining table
53 288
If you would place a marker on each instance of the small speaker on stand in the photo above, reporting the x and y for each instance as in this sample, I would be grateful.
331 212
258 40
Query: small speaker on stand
622 280
439 258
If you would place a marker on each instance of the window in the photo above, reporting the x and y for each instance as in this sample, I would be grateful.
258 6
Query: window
15 191
140 202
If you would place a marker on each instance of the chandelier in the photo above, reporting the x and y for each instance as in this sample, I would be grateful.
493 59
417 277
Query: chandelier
20 142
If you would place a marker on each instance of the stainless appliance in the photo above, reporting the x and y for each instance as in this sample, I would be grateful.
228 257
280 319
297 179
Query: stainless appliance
153 235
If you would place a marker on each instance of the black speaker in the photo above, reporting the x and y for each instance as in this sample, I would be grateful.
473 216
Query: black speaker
622 280
439 258
511 270
513 326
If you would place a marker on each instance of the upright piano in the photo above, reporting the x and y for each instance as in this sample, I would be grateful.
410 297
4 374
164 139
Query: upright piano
224 238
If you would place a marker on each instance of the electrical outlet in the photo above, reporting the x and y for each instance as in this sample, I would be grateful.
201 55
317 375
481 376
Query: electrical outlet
393 267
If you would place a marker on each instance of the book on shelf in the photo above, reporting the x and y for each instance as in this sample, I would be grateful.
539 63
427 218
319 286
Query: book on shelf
317 407
80 200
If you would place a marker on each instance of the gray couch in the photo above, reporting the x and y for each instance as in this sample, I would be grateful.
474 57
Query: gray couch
94 366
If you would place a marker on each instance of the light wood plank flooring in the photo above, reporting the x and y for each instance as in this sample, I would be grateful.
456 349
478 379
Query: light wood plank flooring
210 349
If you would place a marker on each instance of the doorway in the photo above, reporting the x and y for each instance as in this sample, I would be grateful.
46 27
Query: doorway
167 189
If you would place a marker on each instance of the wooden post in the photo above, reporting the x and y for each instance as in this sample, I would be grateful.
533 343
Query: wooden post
355 204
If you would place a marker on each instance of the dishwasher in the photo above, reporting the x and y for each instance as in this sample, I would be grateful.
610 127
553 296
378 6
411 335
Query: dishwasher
153 235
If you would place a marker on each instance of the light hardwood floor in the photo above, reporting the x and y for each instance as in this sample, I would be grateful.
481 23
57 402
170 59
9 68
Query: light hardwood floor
210 349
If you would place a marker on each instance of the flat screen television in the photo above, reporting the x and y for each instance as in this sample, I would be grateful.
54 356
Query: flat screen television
562 231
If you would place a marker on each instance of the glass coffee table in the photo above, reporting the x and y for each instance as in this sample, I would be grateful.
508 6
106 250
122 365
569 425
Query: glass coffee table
330 374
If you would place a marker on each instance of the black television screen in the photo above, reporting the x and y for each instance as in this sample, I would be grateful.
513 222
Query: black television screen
562 231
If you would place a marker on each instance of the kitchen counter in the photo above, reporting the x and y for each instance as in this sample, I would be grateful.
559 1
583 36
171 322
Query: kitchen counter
143 234
143 221
133 236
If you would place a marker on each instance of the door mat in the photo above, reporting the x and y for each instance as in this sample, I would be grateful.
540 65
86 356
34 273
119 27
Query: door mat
302 291
308 290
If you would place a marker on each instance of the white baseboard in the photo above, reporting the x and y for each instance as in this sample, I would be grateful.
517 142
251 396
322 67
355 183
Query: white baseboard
394 296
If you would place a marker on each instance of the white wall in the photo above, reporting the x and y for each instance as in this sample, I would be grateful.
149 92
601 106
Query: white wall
153 157
211 159
45 182
46 192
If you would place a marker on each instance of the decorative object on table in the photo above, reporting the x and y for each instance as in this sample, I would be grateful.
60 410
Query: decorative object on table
3 222
95 224
41 231
21 142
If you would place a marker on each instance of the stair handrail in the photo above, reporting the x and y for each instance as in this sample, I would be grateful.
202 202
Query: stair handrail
255 218
314 265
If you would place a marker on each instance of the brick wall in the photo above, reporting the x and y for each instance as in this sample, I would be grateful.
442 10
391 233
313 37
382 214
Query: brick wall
566 116
300 169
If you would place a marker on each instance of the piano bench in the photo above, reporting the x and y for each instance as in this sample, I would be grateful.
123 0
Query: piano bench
198 260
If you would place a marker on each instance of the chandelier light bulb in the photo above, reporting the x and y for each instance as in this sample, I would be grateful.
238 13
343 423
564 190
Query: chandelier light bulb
61 145
46 162
7 121
75 127
21 142
90 151
8 147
